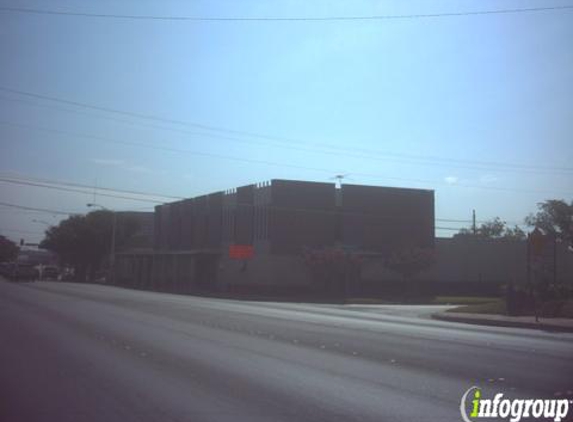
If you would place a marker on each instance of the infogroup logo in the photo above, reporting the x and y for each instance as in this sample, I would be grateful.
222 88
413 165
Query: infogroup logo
514 409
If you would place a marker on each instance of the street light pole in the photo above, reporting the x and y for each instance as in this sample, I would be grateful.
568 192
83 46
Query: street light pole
41 269
113 234
112 257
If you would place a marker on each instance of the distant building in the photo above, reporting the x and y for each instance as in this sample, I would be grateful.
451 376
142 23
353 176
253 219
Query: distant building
279 220
36 256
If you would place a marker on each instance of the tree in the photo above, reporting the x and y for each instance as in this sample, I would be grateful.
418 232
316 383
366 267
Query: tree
8 249
493 229
409 263
84 241
514 233
554 217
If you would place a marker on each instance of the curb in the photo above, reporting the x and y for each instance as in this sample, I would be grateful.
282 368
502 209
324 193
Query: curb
458 317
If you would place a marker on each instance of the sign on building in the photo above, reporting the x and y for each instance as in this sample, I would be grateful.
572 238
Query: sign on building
241 252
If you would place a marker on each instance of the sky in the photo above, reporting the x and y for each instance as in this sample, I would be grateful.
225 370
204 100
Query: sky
478 108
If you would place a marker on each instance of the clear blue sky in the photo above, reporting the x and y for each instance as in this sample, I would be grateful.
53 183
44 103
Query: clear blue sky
366 98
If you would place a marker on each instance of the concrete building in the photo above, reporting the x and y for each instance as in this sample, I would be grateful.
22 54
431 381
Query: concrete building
281 218
278 220
35 256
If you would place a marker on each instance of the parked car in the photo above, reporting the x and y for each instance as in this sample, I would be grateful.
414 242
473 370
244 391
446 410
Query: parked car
50 273
67 274
101 276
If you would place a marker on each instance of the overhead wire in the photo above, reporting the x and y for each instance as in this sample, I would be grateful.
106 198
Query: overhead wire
206 127
274 208
22 231
8 177
24 10
47 211
272 163
180 199
287 143
64 189
172 203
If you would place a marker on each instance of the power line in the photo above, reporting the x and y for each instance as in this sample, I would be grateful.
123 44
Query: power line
164 148
20 182
123 112
283 19
340 212
48 211
63 189
278 208
287 142
269 163
84 112
252 206
180 198
8 177
453 220
22 231
447 220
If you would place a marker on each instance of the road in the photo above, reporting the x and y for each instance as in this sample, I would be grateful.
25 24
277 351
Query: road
73 352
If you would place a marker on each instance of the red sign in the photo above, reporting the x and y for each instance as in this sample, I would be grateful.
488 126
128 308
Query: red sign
241 252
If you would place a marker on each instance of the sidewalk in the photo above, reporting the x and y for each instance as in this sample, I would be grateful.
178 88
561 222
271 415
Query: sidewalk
549 324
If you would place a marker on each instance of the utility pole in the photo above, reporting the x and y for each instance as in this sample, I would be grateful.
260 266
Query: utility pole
554 259
41 270
112 254
113 234
474 222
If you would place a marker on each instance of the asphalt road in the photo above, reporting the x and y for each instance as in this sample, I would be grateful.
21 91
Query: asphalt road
71 352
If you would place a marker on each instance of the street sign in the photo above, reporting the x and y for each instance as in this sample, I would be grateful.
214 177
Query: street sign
241 252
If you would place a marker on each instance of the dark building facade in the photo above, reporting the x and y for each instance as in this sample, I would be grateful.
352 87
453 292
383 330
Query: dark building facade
385 219
279 219
285 216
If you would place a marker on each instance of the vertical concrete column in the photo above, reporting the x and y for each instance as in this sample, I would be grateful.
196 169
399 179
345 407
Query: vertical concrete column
176 273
